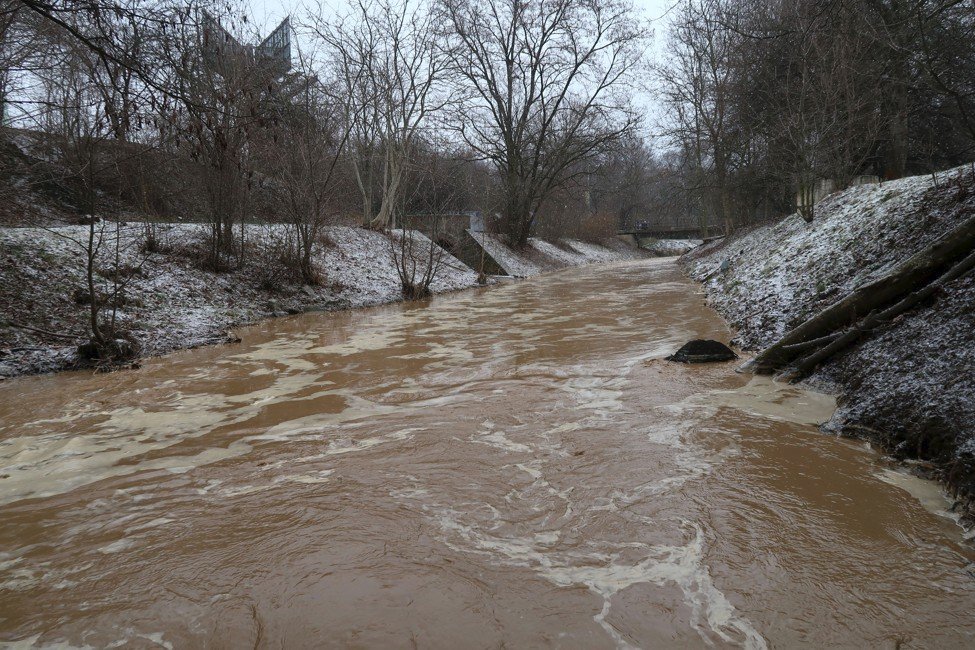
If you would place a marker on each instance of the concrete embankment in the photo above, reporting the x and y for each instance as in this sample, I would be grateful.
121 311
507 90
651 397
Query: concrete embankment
909 385
540 255
168 301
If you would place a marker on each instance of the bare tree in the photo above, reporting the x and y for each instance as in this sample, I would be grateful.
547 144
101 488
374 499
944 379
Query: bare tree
390 66
223 93
945 31
767 98
698 86
546 81
81 131
826 100
308 142
415 250
18 44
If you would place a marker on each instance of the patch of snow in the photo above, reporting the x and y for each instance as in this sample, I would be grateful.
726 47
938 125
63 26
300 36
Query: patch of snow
172 302
774 277
541 255
513 262
670 247
908 385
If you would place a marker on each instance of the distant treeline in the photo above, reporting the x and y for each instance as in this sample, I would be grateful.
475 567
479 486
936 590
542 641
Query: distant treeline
526 111
764 97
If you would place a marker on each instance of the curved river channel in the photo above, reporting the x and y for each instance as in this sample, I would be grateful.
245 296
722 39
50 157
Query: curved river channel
510 467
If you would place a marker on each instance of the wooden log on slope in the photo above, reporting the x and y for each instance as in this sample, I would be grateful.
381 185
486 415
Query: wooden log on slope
917 271
875 319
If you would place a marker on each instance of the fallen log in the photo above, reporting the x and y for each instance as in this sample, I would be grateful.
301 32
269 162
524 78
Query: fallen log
813 344
919 270
874 319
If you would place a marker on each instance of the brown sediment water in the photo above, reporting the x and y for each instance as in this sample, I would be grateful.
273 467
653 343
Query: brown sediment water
511 467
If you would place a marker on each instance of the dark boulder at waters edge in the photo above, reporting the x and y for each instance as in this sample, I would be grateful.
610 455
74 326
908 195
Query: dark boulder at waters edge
703 351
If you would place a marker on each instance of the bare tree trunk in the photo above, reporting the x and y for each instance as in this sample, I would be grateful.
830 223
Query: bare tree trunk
95 303
917 271
874 319
391 193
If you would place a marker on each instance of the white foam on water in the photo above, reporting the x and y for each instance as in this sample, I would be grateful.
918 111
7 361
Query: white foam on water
241 490
440 351
285 351
154 523
117 546
410 493
55 475
285 462
531 469
600 394
60 459
494 438
321 476
372 338
711 612
675 429
282 390
18 579
157 638
928 493
32 643
347 445
357 408
606 572
211 484
57 462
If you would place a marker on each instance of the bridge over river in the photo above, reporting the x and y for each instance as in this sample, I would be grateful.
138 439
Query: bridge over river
666 233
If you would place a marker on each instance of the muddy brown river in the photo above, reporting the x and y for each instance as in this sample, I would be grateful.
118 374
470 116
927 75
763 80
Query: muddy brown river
510 467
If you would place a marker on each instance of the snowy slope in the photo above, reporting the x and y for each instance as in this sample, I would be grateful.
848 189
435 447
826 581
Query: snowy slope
514 263
777 276
670 247
541 255
909 386
171 302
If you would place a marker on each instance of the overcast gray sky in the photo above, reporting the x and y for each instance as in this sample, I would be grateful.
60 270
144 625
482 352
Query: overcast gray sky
268 13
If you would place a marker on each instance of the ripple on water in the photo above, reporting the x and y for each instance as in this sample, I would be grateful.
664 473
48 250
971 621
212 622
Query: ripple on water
514 465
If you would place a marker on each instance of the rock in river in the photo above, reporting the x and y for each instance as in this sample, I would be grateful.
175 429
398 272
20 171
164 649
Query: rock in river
702 351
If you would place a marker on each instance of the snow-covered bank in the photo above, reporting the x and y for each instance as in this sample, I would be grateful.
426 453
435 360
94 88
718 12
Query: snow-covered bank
541 255
170 302
669 247
909 386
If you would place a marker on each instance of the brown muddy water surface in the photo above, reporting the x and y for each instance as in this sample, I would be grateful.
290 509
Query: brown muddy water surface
509 467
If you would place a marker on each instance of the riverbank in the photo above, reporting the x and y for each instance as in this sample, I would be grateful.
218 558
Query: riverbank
909 386
169 301
540 256
669 247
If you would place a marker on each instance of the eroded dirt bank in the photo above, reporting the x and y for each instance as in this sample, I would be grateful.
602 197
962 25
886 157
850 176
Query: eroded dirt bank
514 467
909 386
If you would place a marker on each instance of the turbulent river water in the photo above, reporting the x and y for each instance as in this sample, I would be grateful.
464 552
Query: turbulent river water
515 466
